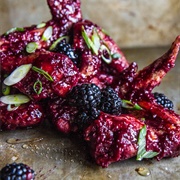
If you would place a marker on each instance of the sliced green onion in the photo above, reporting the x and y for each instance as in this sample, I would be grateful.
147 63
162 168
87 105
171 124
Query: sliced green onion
44 73
108 59
54 44
19 29
5 89
17 75
142 153
96 39
129 105
15 99
116 56
47 33
31 47
89 42
10 107
37 87
41 25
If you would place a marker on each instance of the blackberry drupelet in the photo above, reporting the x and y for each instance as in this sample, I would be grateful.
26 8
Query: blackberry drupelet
16 171
84 118
66 49
161 99
110 101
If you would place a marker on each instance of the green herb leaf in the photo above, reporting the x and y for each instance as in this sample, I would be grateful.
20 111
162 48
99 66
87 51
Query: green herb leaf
17 75
129 105
106 51
89 42
31 47
95 39
53 46
37 87
44 73
142 153
150 154
41 25
15 99
116 56
11 107
5 89
13 30
47 33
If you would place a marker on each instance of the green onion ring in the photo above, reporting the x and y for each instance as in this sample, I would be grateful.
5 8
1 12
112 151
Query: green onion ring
10 108
129 105
107 60
44 73
142 153
47 33
18 29
31 47
41 25
5 89
14 99
89 42
37 83
17 75
54 44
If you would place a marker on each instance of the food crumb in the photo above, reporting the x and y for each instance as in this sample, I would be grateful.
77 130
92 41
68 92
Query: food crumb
109 176
143 171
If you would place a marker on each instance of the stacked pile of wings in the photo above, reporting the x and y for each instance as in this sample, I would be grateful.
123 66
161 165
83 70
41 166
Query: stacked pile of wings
110 137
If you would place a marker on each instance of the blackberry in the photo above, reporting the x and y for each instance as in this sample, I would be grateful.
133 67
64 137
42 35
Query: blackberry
110 101
66 49
17 172
161 99
85 96
84 118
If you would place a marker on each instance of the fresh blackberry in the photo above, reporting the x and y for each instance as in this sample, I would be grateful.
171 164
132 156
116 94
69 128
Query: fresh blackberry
16 171
161 99
83 119
85 96
110 101
66 49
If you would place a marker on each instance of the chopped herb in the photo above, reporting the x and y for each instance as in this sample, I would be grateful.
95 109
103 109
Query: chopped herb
106 55
129 105
31 47
37 87
41 25
54 44
95 39
47 33
15 99
92 44
142 153
11 107
5 89
17 75
116 56
13 30
44 73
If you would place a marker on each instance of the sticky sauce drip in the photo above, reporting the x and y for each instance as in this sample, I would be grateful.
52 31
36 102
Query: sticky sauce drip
19 141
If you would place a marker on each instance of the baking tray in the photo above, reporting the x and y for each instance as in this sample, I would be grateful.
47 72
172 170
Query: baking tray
54 156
